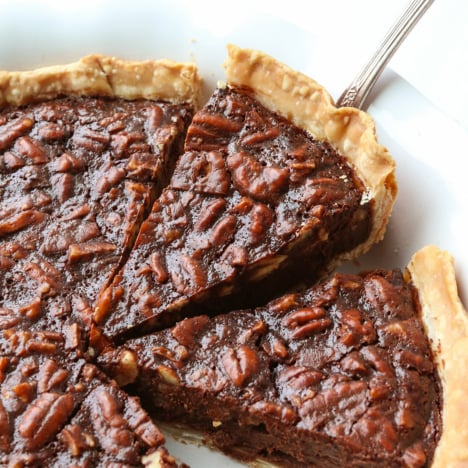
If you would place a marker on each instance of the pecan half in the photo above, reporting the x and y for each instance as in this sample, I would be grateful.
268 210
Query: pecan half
111 428
30 148
211 131
44 418
299 378
186 330
90 140
68 163
52 131
223 231
209 214
50 376
82 252
155 118
140 422
203 172
12 161
188 275
13 130
158 267
264 183
307 321
240 364
261 219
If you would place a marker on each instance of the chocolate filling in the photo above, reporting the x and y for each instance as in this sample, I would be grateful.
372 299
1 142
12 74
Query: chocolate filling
77 178
254 205
339 375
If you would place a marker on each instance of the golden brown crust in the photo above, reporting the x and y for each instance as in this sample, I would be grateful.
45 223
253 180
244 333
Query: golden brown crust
98 75
309 106
446 323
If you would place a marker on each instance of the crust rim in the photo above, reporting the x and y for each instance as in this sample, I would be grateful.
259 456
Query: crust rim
101 75
309 106
445 321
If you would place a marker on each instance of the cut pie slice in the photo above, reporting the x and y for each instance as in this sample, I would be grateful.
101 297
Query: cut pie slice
276 185
360 370
58 410
84 150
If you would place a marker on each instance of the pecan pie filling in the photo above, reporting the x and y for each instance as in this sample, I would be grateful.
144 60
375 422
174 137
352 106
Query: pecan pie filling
58 410
78 176
253 204
339 375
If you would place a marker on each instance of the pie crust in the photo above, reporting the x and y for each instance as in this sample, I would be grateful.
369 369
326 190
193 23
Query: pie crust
309 106
99 75
446 323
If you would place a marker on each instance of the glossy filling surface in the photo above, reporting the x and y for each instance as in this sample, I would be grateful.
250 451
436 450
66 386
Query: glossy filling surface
341 374
56 409
77 178
254 205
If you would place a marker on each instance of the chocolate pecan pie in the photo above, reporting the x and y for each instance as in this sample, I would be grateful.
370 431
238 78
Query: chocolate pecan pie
79 174
84 151
275 185
360 370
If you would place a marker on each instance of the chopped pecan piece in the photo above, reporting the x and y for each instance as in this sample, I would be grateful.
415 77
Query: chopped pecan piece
82 252
20 221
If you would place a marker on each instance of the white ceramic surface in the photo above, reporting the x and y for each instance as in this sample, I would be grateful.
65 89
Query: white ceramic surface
430 149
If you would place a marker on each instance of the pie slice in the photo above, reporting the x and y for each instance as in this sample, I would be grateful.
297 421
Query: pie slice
276 185
58 410
84 151
360 370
